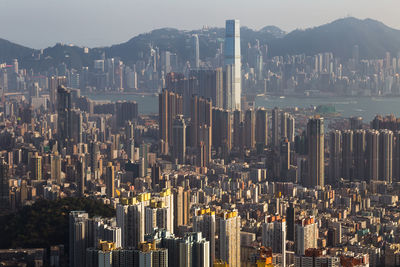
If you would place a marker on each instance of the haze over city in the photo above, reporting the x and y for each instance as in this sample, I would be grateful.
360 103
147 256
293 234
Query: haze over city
42 23
199 133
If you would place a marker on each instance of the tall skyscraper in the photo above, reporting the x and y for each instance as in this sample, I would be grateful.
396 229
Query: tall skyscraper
229 238
4 185
110 180
347 155
372 155
315 140
179 142
78 238
195 52
233 59
335 156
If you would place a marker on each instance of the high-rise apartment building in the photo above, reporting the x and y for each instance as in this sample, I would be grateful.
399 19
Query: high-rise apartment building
4 185
233 89
181 207
64 119
335 156
179 139
284 126
195 52
55 165
396 156
306 235
284 159
204 222
170 105
208 84
315 140
78 238
125 111
386 155
81 176
110 180
201 129
274 235
275 127
359 144
347 155
183 86
290 128
356 123
36 169
237 134
290 218
191 250
222 131
372 155
107 254
250 128
261 127
229 238
131 219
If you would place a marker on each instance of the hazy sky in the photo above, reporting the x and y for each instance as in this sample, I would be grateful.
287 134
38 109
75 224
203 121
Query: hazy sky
41 23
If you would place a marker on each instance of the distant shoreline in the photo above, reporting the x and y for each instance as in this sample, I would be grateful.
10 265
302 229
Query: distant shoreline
118 93
273 96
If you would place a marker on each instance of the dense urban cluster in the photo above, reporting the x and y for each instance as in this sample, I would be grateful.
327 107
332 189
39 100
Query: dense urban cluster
210 180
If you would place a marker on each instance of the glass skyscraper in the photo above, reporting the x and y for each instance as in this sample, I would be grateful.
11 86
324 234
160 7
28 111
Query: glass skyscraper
233 88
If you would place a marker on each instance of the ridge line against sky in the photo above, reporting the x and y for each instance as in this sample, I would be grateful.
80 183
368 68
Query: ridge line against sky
97 23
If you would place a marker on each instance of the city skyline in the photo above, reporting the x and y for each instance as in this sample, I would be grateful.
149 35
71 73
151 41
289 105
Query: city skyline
89 28
206 148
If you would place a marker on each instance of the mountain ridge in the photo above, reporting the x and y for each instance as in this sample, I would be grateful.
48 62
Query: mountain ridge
339 36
